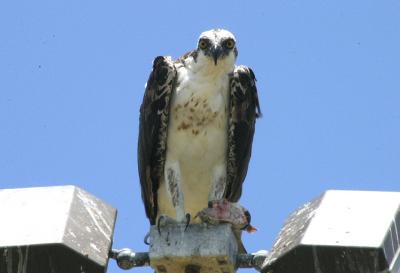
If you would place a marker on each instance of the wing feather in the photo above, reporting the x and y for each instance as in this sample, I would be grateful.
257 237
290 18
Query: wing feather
244 108
153 128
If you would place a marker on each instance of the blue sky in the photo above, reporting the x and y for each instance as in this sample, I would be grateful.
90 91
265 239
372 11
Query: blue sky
72 75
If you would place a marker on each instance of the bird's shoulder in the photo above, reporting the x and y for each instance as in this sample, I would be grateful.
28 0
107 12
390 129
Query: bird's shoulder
160 81
244 73
182 60
243 86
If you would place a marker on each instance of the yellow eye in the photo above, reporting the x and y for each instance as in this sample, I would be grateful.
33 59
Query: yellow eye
203 44
230 44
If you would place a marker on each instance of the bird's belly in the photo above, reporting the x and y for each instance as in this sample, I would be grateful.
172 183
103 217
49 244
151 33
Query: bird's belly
197 141
197 154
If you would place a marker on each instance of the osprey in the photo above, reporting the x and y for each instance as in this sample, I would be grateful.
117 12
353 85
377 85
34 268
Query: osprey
196 131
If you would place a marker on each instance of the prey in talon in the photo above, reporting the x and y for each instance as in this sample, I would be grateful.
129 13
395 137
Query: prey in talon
222 211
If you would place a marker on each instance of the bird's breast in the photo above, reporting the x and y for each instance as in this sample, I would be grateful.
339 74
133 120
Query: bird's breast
198 118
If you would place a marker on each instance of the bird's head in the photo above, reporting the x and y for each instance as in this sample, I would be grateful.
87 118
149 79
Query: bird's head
217 45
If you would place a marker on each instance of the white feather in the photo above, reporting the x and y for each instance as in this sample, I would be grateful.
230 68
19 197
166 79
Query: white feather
197 132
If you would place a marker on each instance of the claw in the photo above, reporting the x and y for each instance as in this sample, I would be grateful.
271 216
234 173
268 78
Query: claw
146 238
187 220
159 223
164 220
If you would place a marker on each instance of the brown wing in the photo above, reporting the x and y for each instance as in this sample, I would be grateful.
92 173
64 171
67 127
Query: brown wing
244 109
154 113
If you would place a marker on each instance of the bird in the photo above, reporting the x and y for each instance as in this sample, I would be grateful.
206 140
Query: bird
196 127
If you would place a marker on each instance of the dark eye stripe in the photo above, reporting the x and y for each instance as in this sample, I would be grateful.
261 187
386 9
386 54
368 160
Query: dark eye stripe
229 42
204 40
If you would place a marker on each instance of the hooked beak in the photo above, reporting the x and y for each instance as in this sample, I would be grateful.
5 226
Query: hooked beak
216 53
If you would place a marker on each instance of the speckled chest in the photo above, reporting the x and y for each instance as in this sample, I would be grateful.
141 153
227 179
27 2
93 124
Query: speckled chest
199 102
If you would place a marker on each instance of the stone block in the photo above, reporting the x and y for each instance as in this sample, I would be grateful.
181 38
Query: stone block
199 249
60 229
340 232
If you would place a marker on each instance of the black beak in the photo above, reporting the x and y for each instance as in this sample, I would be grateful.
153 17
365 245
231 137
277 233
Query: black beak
216 53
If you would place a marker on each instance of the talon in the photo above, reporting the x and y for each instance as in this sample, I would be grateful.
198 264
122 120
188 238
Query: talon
146 238
187 220
159 223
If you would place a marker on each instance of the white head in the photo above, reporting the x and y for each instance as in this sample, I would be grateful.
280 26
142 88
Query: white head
217 45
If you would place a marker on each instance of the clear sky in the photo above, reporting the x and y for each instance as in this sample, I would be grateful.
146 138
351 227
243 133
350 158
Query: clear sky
72 75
